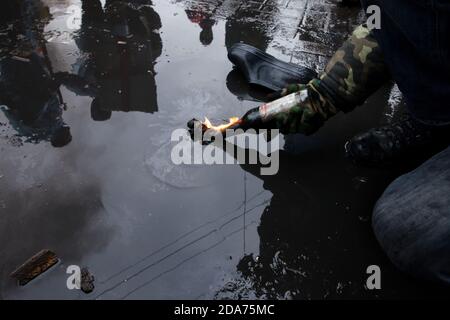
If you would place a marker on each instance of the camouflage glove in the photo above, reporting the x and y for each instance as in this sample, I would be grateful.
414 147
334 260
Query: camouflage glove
354 73
307 116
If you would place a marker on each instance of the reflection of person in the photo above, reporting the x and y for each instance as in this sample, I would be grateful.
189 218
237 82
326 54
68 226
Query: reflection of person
122 43
205 22
411 219
254 32
27 85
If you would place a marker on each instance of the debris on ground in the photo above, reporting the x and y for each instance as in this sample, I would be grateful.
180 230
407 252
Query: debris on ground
35 266
87 281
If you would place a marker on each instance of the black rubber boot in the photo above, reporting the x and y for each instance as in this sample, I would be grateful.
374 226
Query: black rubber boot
262 69
403 141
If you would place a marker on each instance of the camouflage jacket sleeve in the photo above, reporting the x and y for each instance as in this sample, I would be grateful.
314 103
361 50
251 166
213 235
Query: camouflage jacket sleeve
353 74
355 71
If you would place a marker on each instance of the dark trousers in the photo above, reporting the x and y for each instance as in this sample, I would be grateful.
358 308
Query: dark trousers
412 220
415 40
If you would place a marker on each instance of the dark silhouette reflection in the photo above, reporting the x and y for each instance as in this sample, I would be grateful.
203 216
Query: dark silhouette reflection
251 24
27 83
121 42
204 14
205 22
313 234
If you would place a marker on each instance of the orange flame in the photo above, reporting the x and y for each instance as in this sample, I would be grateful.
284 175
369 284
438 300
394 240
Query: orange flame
222 127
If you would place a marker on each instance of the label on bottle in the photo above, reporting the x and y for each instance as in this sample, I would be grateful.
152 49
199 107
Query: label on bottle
269 110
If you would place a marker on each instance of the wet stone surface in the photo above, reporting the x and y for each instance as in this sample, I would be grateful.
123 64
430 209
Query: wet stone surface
88 108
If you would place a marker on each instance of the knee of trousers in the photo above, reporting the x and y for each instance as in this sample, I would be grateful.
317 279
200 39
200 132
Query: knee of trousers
412 221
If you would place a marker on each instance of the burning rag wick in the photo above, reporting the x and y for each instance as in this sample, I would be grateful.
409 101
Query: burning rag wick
222 127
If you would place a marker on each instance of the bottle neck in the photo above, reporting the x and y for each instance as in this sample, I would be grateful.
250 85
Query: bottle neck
270 110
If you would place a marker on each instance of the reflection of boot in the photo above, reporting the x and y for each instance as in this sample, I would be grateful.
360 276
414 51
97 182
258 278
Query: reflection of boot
404 140
262 69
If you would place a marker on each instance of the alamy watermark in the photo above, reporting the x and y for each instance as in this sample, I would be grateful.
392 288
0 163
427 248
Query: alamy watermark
73 281
374 17
228 148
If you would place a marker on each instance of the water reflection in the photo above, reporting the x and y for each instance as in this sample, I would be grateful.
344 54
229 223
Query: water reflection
251 23
28 88
205 22
120 44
